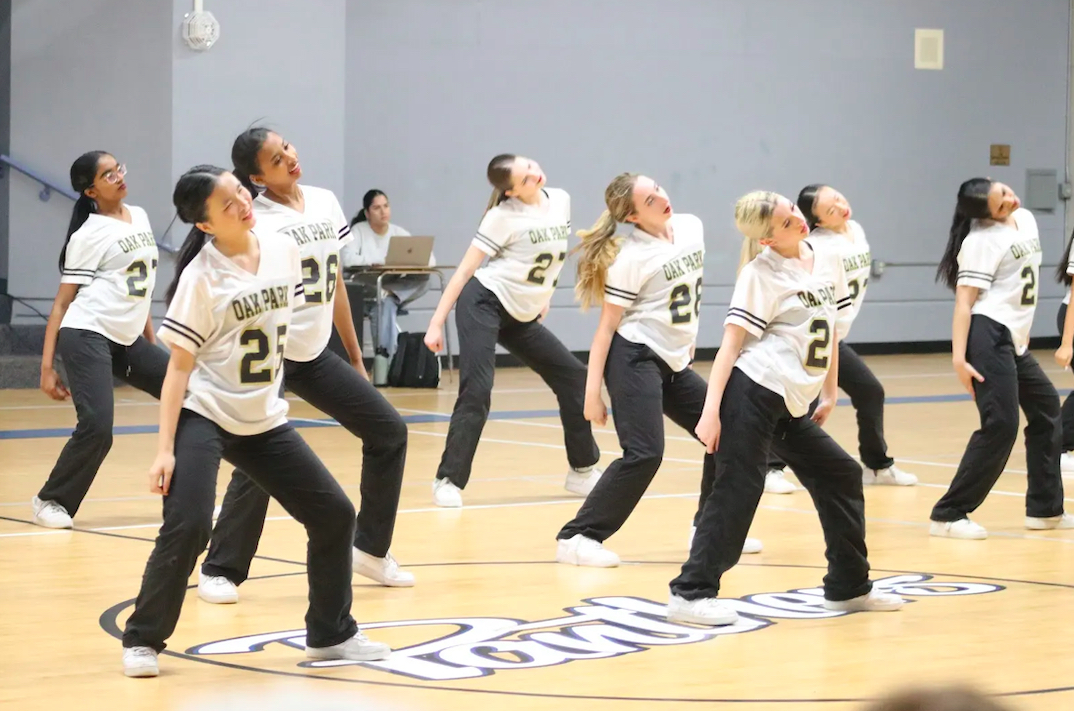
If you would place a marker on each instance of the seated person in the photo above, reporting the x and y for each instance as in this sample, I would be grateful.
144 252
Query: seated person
372 230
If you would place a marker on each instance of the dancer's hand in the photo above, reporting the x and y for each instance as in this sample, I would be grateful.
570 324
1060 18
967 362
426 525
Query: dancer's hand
52 386
966 375
434 338
708 431
824 408
160 474
595 409
1063 356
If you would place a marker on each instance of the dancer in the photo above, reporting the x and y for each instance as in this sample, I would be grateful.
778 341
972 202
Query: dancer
992 263
228 318
648 283
313 218
100 325
524 235
788 312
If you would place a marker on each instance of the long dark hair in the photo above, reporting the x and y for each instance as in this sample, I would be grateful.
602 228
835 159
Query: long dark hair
499 175
806 198
367 202
1061 275
190 197
244 155
972 204
83 173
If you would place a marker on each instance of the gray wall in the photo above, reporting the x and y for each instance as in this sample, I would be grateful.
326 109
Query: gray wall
5 130
713 98
87 75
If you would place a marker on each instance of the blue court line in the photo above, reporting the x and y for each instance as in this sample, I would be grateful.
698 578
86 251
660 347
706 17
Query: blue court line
427 419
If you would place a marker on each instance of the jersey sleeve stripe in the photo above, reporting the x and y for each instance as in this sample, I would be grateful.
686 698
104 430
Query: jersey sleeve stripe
969 274
79 272
344 231
621 293
747 316
486 241
184 331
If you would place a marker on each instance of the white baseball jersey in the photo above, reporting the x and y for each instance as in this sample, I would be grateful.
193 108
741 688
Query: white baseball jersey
1070 273
659 283
853 248
789 315
527 245
236 325
115 265
320 232
1004 263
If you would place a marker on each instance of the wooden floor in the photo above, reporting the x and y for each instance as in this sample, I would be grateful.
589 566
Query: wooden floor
493 621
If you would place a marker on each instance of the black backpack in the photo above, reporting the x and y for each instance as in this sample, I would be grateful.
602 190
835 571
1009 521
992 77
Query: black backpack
413 365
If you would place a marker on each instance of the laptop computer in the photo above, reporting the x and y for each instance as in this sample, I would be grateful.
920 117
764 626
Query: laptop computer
413 251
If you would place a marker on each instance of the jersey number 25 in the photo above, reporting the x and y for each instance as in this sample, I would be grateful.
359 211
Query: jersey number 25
254 369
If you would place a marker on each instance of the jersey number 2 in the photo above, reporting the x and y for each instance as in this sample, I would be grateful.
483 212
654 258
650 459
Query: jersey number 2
1029 291
311 279
137 276
253 369
543 262
817 355
681 299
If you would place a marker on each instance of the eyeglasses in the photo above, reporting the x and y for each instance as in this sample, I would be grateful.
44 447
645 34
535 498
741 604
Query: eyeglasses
114 175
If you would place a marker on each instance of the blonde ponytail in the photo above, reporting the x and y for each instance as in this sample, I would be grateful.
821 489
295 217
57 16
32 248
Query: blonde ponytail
599 249
495 199
600 246
753 218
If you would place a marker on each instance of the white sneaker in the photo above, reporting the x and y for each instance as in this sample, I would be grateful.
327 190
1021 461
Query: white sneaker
751 545
962 528
581 481
705 611
358 648
384 570
1066 462
891 476
217 589
872 601
50 514
140 662
580 550
1052 522
775 482
446 494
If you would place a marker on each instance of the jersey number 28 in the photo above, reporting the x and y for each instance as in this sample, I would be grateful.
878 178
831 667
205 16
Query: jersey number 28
253 369
681 298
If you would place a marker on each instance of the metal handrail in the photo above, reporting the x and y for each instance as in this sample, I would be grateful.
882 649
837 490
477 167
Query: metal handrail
48 187
46 191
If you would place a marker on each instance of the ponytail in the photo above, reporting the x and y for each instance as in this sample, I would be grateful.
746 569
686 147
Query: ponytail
971 204
367 202
1061 271
599 249
806 200
244 153
84 207
499 175
360 217
191 248
191 194
753 218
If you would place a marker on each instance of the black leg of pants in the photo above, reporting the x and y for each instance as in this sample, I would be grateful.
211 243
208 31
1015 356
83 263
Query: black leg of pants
867 397
332 386
281 462
91 360
481 322
1010 380
753 419
642 389
1068 404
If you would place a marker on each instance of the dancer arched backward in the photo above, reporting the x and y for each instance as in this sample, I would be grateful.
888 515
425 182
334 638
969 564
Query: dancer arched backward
648 283
831 225
779 352
992 263
524 236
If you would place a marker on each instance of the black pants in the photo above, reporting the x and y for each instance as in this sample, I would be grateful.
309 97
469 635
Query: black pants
91 360
1068 404
867 396
482 322
642 389
331 385
1010 380
753 420
281 462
